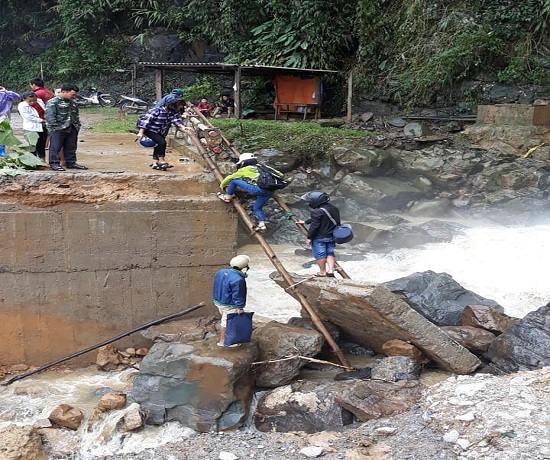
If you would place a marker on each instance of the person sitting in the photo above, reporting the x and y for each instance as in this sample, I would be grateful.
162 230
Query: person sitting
205 107
226 106
175 93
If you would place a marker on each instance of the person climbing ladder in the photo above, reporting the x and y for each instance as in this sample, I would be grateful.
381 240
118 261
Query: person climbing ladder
248 178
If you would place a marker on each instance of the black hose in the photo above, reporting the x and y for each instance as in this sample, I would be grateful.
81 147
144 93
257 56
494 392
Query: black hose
106 342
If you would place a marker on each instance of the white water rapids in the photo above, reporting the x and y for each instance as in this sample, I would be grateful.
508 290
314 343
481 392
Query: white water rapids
505 264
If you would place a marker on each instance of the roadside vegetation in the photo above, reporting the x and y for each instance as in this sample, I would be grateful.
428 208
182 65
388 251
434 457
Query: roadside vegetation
308 140
408 52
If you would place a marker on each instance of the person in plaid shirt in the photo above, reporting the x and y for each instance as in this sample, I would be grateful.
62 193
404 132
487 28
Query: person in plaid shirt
155 125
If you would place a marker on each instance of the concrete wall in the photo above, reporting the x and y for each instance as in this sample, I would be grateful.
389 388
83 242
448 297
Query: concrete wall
514 114
76 274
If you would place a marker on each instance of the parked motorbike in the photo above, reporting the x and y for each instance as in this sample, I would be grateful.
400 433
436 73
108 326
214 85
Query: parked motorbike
132 105
95 97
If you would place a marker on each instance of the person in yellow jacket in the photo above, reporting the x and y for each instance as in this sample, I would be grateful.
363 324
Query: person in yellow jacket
246 178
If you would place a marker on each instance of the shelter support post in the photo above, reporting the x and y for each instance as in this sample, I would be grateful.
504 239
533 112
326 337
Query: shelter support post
237 95
350 96
159 76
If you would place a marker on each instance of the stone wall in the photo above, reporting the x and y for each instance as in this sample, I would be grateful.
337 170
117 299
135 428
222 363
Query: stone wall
77 273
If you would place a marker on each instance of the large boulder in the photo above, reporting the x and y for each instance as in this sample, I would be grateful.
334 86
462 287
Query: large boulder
525 346
381 193
66 416
475 339
447 168
370 315
369 400
302 406
201 385
487 318
21 443
181 330
437 296
276 341
368 161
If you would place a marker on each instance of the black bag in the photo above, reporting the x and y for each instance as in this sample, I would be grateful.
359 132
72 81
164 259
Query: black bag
270 179
341 233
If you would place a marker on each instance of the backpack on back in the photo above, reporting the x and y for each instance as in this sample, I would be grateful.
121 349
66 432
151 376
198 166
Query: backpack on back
270 179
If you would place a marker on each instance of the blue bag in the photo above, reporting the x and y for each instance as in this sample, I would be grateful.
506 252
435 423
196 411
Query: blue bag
239 328
342 234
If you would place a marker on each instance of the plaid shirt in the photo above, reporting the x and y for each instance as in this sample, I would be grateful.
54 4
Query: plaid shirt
158 120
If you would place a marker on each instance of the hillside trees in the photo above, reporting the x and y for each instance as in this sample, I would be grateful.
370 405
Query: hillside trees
406 51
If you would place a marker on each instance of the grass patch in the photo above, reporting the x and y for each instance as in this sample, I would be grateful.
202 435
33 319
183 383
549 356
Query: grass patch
308 140
113 121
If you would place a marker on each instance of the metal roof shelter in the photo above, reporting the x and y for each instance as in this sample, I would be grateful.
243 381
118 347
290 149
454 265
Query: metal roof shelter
237 70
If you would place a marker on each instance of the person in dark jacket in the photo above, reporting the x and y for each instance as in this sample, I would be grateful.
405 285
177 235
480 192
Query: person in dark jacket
319 235
63 124
229 291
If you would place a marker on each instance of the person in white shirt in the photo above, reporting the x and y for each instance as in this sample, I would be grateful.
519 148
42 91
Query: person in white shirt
31 110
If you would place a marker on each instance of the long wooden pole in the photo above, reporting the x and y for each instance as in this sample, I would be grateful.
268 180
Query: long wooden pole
276 197
106 342
272 256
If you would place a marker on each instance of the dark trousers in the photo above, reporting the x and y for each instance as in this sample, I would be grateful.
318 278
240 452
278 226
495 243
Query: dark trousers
40 150
66 139
160 140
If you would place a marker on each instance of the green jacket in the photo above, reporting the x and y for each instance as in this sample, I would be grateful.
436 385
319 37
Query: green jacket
249 174
61 113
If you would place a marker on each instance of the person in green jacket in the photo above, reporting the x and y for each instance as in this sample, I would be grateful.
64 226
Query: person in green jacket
246 178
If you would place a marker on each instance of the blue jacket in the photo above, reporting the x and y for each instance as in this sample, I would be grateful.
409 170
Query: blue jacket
229 288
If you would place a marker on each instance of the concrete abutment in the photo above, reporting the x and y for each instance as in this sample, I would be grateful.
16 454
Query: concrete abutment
88 256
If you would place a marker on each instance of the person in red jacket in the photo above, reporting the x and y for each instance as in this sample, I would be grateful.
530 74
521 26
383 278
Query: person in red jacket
205 107
38 88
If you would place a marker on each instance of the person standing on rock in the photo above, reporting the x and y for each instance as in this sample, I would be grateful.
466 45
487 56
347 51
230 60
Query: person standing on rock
229 291
63 123
319 235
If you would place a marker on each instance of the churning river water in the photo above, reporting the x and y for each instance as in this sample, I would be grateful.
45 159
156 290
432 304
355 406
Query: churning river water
505 264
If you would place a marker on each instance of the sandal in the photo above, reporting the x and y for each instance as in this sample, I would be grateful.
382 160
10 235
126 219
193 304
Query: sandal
320 275
259 228
165 165
330 275
223 197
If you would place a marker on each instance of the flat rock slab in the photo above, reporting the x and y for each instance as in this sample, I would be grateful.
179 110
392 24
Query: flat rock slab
372 315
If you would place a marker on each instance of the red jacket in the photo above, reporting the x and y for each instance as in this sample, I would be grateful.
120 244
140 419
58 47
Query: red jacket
44 94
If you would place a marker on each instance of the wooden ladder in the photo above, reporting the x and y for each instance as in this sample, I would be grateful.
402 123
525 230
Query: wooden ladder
291 286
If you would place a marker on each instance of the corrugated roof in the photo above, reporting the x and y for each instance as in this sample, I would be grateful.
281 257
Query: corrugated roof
224 68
